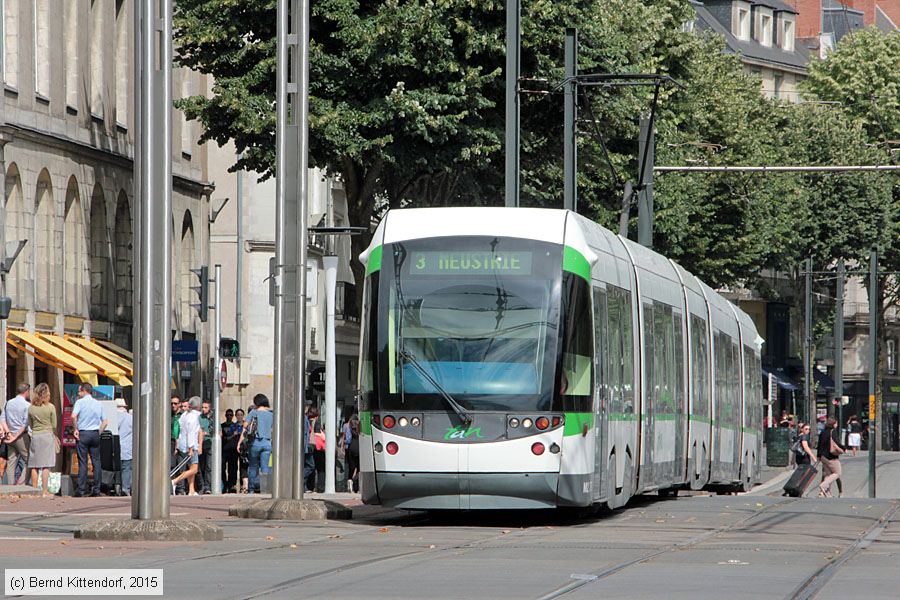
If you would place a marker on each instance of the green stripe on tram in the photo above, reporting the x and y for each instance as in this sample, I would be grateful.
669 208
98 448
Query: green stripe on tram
374 262
575 262
575 423
700 419
621 417
365 422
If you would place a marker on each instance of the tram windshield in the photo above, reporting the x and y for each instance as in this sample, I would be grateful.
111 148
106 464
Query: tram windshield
475 318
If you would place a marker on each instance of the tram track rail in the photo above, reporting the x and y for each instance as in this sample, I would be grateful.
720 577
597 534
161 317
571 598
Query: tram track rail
581 580
815 583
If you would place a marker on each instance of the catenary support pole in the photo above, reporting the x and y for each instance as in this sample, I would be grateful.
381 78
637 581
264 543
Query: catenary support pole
153 284
290 246
839 342
808 400
647 155
330 422
570 127
873 365
513 65
239 257
216 392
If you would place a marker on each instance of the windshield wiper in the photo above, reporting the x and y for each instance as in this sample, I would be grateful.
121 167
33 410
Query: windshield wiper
456 406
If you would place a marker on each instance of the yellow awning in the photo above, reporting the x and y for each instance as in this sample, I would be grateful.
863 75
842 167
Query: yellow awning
117 349
95 348
104 366
52 355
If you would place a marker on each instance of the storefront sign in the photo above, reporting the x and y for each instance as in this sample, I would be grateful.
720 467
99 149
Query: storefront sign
872 407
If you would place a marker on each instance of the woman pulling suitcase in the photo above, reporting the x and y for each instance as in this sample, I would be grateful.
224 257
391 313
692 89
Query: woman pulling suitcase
830 451
806 464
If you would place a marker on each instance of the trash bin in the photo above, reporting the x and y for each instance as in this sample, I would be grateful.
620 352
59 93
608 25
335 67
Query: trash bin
778 446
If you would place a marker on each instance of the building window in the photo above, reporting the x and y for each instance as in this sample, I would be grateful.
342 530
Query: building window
892 357
10 36
187 90
787 36
779 84
742 23
96 58
71 26
765 30
122 62
41 23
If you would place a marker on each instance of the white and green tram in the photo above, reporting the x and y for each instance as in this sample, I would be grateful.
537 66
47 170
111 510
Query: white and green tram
529 358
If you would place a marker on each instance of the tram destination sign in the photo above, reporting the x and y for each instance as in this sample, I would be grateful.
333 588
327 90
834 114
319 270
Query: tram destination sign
470 262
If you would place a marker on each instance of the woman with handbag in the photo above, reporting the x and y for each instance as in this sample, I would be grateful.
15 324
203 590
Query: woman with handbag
829 452
44 443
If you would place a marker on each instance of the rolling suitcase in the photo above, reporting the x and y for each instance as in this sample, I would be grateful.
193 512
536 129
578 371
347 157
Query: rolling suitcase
110 463
799 480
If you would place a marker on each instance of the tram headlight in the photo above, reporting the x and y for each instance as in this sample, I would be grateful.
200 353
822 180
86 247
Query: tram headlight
526 423
514 422
403 422
415 421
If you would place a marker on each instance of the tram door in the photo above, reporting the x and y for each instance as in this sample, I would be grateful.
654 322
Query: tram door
601 395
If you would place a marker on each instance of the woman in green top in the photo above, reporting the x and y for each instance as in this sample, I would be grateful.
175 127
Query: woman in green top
42 422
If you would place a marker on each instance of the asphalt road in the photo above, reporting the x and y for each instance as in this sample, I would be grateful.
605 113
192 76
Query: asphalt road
694 547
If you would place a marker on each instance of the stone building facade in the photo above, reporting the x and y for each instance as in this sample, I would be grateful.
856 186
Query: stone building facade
67 127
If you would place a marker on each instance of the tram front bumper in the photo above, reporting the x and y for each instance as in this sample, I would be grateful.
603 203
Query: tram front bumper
467 491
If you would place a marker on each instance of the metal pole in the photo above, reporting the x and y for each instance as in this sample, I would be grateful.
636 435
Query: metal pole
329 423
239 255
513 64
570 133
153 186
3 141
216 393
873 365
287 142
646 154
807 346
776 169
839 343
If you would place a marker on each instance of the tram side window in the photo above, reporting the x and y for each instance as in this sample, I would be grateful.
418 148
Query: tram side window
651 361
628 350
578 345
601 350
679 361
369 346
721 401
736 383
699 366
662 367
748 386
614 357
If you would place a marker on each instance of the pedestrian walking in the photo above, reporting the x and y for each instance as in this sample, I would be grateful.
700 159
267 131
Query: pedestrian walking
88 422
310 469
353 456
243 453
175 404
44 443
190 443
231 433
207 424
258 435
829 452
126 427
854 438
17 438
803 452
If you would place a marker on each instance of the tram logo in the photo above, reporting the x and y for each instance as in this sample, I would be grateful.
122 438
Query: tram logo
461 433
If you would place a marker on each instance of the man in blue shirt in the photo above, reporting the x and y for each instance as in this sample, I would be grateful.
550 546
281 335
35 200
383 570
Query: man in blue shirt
125 443
88 422
16 436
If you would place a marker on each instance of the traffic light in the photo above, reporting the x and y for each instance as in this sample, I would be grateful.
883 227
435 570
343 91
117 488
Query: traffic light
202 292
229 348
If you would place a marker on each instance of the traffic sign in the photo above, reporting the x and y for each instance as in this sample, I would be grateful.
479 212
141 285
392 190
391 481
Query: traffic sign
223 375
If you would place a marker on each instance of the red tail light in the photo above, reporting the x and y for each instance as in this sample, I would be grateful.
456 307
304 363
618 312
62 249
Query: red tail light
376 420
392 448
388 421
556 421
537 448
542 423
